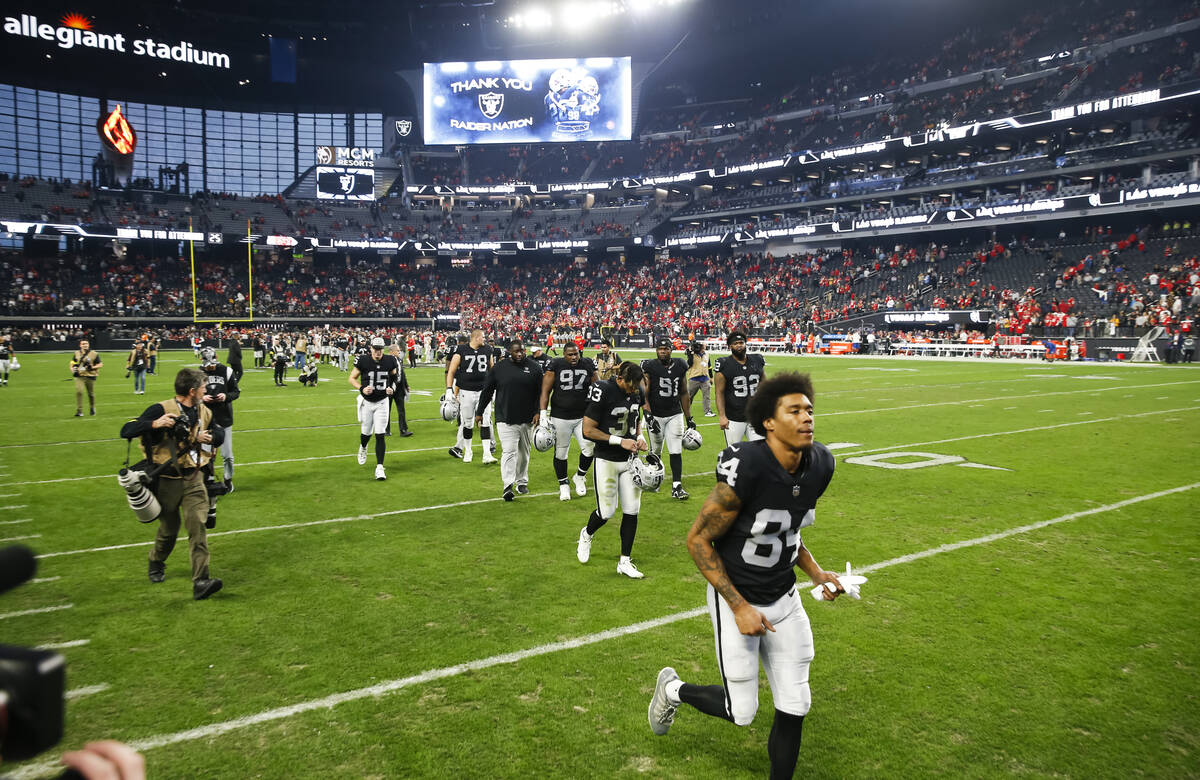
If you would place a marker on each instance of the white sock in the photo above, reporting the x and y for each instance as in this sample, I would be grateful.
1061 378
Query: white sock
676 484
672 691
624 559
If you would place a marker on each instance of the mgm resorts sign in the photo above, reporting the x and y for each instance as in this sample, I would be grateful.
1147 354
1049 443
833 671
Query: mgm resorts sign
346 155
75 31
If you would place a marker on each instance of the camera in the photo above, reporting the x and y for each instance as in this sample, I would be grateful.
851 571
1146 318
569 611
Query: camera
136 481
32 682
180 430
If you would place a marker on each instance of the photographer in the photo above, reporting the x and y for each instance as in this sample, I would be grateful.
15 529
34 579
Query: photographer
152 352
138 363
85 367
173 432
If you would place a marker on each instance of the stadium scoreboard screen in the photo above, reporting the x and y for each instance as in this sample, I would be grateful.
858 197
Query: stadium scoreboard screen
528 101
336 182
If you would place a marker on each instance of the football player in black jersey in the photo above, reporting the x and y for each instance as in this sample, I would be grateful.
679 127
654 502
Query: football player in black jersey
563 402
374 377
745 542
539 356
468 371
667 407
220 391
612 421
7 354
451 350
735 380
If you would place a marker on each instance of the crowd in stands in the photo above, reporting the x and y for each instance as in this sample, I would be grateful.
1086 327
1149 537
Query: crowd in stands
1097 283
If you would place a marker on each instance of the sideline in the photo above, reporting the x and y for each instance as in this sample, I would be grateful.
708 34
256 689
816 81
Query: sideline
390 686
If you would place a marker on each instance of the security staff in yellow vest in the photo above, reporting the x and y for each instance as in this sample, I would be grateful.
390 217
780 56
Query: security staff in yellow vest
85 367
180 429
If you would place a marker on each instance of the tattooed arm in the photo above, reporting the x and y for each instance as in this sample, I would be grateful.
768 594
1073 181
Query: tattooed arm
716 516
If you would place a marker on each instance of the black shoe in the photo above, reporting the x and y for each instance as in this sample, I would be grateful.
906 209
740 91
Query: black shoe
93 413
508 493
680 493
522 489
202 589
455 452
210 522
158 571
79 414
406 433
228 486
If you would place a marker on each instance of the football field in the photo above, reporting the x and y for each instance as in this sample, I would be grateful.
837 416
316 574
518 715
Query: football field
1031 532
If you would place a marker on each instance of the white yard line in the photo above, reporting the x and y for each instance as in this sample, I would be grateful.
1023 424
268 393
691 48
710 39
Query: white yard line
391 686
1015 432
64 645
15 522
822 414
40 580
472 502
39 611
8 539
701 425
86 690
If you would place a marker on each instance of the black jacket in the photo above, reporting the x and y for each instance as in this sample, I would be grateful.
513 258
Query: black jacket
518 390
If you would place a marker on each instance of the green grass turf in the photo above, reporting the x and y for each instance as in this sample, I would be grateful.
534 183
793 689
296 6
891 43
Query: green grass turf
1069 650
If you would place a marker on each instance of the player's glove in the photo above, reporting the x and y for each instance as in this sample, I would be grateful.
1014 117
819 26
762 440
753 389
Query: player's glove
691 423
544 419
652 425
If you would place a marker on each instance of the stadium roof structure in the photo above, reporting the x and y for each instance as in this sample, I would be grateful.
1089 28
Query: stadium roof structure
347 55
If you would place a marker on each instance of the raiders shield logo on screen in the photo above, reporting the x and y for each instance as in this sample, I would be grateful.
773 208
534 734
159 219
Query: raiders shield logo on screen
403 127
347 183
491 104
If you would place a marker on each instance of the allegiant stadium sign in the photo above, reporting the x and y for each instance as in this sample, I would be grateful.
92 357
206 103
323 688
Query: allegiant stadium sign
75 31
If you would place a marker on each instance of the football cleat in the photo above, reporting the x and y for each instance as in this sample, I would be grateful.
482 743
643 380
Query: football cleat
662 712
583 550
468 454
362 456
680 493
626 567
564 492
380 474
454 452
158 571
488 457
508 493
580 484
522 489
